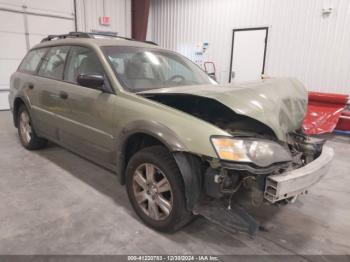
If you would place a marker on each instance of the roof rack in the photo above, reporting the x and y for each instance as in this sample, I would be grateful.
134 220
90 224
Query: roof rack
64 36
89 35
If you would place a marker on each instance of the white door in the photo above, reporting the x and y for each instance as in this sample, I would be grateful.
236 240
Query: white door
248 54
23 23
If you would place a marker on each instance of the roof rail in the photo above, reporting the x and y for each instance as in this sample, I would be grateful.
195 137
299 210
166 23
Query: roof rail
64 36
89 35
150 42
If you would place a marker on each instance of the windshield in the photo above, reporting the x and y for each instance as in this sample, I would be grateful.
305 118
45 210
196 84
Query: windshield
140 69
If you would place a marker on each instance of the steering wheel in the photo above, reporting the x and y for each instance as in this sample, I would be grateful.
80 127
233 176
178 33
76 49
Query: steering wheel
172 79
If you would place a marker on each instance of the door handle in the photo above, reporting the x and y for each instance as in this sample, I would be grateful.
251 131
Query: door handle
30 85
63 95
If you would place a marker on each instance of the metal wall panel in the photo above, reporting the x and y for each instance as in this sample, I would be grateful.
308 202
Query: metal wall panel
40 26
13 45
61 7
119 11
64 8
23 23
302 42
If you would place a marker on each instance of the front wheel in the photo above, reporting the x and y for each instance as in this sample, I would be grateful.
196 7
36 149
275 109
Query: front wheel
156 190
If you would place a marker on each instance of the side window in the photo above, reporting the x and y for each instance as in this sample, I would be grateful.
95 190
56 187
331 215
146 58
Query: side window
53 64
82 60
32 60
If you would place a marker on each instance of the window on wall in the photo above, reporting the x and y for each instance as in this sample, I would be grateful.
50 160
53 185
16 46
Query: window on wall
32 60
53 64
82 60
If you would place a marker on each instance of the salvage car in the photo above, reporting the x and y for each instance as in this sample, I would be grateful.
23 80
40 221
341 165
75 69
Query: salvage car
171 133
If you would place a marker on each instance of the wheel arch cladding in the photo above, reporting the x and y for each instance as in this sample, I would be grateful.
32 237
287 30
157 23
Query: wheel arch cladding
16 105
189 165
191 170
147 128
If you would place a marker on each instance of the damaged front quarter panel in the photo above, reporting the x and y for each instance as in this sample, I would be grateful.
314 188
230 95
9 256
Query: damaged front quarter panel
279 103
267 110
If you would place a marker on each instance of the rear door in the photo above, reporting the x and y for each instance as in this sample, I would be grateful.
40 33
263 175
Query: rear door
91 119
24 80
49 101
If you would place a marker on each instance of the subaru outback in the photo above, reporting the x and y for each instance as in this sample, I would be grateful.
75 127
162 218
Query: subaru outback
170 132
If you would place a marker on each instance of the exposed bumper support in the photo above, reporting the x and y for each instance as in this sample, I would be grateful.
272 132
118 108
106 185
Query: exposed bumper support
298 181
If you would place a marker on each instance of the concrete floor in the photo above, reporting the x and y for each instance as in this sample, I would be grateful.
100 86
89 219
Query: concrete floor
54 202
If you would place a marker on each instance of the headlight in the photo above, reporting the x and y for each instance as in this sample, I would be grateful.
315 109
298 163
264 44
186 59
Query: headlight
260 152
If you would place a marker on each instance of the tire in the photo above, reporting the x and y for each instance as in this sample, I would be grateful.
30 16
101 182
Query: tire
164 166
26 131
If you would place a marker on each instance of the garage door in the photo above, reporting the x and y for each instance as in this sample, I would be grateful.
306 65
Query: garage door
22 25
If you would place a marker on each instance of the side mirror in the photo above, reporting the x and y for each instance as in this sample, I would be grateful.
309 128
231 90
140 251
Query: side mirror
212 75
94 81
210 65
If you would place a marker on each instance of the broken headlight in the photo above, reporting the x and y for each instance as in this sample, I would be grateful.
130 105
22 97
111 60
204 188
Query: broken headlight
259 152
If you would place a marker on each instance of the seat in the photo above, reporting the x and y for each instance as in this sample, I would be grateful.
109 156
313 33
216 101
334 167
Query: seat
88 65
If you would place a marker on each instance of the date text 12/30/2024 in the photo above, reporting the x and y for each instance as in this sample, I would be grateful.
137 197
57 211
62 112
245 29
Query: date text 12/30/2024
173 258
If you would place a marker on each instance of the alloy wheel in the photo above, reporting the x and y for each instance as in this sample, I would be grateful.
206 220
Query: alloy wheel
152 191
25 127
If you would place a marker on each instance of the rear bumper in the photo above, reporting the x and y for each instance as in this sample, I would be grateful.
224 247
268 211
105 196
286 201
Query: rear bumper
298 181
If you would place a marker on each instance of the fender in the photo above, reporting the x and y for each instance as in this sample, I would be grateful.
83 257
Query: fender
148 127
27 103
188 164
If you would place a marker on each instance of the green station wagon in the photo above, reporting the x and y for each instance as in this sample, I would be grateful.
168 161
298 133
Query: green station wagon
177 139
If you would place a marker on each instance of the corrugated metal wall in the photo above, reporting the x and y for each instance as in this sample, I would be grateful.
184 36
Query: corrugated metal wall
302 42
119 11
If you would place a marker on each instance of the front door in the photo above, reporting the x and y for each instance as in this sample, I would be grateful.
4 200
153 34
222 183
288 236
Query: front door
248 54
90 126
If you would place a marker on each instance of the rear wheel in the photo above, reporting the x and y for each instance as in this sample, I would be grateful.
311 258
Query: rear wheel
26 132
155 189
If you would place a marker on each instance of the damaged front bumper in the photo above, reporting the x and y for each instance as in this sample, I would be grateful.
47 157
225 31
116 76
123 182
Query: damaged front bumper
295 182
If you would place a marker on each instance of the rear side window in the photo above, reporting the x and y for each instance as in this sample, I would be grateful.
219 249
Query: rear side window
53 64
32 60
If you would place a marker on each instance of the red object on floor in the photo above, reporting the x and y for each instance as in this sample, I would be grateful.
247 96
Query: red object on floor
344 121
324 110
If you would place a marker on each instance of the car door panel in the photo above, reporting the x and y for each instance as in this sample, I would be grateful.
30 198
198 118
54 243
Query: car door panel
47 102
89 127
52 108
26 83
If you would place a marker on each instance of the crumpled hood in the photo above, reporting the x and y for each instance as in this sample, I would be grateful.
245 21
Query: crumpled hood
279 103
